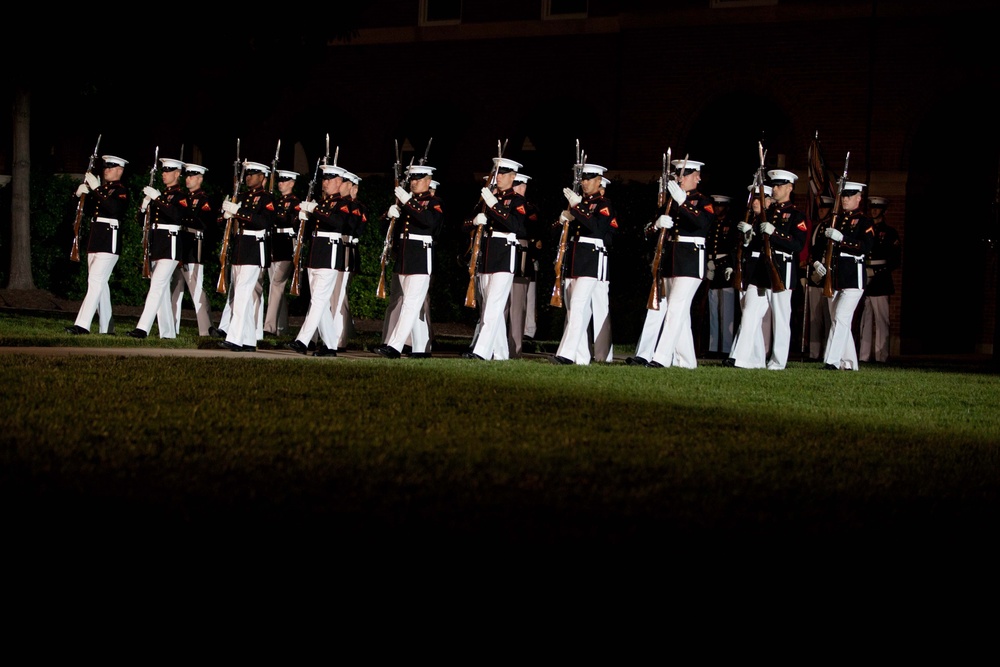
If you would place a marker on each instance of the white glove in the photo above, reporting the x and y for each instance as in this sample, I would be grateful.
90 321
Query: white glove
393 211
711 265
565 217
870 273
488 197
230 207
151 192
834 234
766 228
664 222
308 206
144 205
676 191
93 182
479 220
744 227
402 195
572 197
82 189
302 216
729 273
819 269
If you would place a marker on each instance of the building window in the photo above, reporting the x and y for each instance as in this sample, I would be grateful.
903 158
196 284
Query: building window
564 9
727 4
440 12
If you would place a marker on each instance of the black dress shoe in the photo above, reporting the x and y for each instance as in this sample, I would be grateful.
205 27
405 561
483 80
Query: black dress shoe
420 355
77 330
729 362
296 346
830 367
654 364
562 361
471 355
136 333
635 361
324 351
226 345
249 348
341 349
387 351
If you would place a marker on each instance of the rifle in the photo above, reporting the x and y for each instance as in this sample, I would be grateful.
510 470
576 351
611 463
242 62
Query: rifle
294 289
238 168
74 253
470 291
663 198
738 269
828 257
777 284
274 168
427 151
387 245
146 272
557 292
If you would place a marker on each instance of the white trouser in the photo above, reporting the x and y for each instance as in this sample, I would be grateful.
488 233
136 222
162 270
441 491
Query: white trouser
748 349
192 276
516 310
531 305
158 305
875 324
276 315
246 305
577 295
342 317
819 320
338 302
652 327
840 350
477 286
98 299
781 328
721 319
676 344
319 317
492 340
422 324
600 304
408 324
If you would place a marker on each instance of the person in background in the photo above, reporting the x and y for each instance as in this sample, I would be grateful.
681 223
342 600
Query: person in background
165 250
105 207
283 238
683 263
883 258
721 247
817 307
853 235
343 320
600 303
254 213
197 216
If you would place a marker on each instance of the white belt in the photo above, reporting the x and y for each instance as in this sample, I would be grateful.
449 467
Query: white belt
877 262
197 232
424 238
112 222
169 228
501 235
257 233
285 230
755 254
786 255
333 236
590 239
691 239
721 255
523 243
857 257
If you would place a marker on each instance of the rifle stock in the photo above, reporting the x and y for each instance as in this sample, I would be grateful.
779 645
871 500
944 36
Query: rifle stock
556 299
663 199
238 169
380 291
